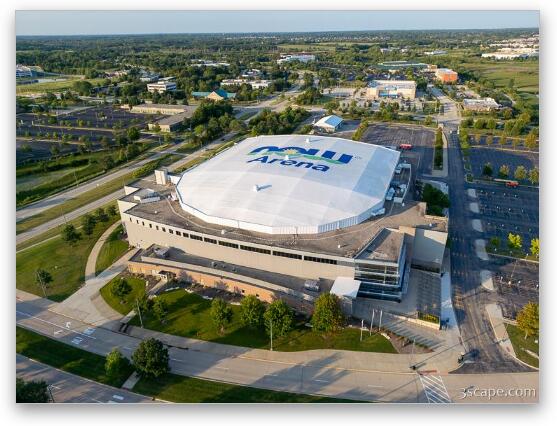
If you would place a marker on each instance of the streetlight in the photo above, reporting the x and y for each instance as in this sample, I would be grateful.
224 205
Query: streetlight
271 334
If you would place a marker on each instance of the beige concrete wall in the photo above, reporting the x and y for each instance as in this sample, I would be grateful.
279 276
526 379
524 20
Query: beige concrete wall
223 283
143 236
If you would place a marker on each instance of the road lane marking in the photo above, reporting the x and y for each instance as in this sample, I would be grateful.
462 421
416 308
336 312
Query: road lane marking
375 386
118 397
53 324
434 389
77 340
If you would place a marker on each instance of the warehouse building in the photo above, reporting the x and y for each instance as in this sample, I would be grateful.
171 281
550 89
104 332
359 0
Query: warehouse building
328 124
446 75
480 105
284 216
391 89
175 115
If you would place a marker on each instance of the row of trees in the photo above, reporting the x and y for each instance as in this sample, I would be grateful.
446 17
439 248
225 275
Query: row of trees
514 243
274 123
520 173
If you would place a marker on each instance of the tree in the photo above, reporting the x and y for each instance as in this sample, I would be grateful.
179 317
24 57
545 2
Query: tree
504 171
150 359
528 320
112 210
221 313
514 241
327 315
489 140
487 169
279 317
115 363
531 141
535 247
133 133
502 140
491 124
520 173
251 311
31 392
142 305
160 309
70 235
88 223
43 279
121 289
534 176
101 215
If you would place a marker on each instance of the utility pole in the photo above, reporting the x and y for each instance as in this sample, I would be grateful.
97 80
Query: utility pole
40 278
380 319
271 334
49 387
372 318
362 331
139 312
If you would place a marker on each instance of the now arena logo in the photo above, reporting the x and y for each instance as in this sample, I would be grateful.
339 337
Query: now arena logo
299 157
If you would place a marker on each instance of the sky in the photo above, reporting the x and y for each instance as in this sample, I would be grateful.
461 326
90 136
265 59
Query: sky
161 22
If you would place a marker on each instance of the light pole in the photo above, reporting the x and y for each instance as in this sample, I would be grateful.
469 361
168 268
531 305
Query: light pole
139 312
40 278
271 334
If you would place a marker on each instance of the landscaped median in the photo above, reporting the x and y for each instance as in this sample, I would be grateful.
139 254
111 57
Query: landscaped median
169 387
523 346
93 195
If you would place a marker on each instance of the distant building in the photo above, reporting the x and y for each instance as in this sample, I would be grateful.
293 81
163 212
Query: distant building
251 73
446 75
328 124
255 84
302 57
215 95
393 66
204 63
391 89
435 53
148 77
22 71
175 115
510 53
480 105
161 87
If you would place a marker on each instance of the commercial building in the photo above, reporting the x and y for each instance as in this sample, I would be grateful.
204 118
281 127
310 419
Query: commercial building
215 95
175 115
510 53
394 66
255 84
22 71
446 75
391 89
161 87
302 57
480 105
328 124
435 53
284 216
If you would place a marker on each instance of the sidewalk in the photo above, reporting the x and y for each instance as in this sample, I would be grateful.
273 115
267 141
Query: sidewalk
495 316
87 304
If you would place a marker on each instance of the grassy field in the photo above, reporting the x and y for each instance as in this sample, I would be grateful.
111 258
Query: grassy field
54 232
525 74
52 86
520 344
112 249
138 289
66 357
171 387
65 263
189 316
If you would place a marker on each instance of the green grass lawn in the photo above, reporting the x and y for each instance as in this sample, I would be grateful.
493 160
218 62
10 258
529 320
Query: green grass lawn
112 250
174 388
189 317
520 344
66 357
49 86
65 263
138 289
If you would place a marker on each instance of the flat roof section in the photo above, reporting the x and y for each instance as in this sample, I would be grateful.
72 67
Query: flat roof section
385 246
346 242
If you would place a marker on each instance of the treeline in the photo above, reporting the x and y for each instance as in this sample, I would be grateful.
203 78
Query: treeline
274 123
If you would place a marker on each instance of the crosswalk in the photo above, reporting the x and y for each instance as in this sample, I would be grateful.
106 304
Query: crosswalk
434 389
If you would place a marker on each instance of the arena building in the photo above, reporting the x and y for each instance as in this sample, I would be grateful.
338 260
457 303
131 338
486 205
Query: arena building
281 216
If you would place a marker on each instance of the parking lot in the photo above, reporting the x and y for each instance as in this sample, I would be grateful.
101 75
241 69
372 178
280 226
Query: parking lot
516 282
94 123
421 139
498 157
505 210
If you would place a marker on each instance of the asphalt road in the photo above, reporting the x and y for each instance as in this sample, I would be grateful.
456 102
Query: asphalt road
316 377
69 388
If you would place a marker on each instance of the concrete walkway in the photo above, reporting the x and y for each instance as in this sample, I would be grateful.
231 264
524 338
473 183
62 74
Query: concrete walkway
495 316
87 304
